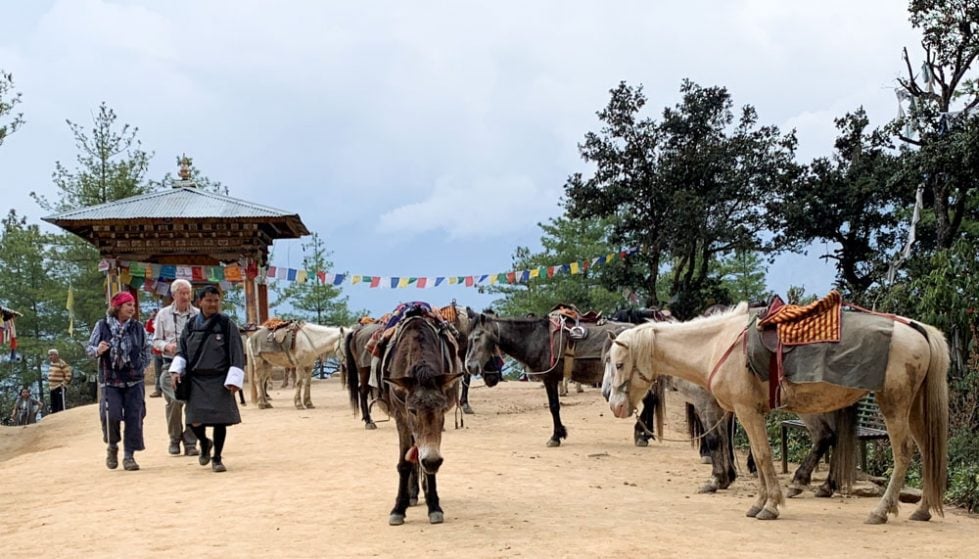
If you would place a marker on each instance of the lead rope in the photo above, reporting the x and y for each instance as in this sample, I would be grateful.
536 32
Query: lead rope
690 440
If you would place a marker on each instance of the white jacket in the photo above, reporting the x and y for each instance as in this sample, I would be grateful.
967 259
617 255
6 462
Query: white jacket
166 327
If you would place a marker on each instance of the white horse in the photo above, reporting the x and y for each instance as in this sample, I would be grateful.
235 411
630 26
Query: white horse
312 342
913 398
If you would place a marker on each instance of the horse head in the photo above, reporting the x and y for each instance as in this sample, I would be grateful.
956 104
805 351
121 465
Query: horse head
483 352
630 352
424 389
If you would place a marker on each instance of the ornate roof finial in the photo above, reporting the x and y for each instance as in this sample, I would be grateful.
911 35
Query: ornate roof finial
185 163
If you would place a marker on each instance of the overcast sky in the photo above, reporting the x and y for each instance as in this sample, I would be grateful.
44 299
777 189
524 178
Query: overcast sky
423 138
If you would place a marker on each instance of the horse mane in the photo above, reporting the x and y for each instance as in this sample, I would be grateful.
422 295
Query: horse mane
695 323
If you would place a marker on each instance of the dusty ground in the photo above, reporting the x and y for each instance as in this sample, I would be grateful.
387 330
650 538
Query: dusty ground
314 483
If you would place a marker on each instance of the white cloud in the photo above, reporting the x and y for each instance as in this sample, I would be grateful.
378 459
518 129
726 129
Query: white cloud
482 208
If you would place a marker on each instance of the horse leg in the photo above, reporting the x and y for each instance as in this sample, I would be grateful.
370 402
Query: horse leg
285 378
578 388
563 387
554 404
822 439
263 389
464 398
902 449
643 431
397 516
413 486
769 492
307 386
365 407
435 514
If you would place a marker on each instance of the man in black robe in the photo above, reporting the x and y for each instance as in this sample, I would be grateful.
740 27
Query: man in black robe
209 369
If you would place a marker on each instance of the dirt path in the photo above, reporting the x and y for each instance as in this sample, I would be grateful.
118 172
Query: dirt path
314 483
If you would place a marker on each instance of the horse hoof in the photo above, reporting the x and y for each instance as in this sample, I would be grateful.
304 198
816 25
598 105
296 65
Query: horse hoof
396 519
370 426
310 406
264 406
753 511
641 441
553 442
299 406
875 519
467 409
412 501
921 515
706 460
792 492
824 493
707 488
767 514
436 517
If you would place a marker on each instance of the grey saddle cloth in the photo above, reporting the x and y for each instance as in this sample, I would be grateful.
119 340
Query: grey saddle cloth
859 360
592 346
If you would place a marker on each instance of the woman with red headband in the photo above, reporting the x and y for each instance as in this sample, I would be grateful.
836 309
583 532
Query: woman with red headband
122 348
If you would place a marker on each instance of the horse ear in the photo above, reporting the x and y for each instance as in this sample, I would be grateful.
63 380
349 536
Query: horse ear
611 335
620 344
401 384
450 379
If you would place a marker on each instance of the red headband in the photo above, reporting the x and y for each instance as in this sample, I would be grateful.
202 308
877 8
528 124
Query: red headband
122 298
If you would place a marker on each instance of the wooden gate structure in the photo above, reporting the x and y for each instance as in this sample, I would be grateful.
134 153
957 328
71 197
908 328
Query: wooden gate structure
186 226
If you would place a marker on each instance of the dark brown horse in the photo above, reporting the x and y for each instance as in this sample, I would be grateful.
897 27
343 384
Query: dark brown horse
421 372
530 341
357 370
462 318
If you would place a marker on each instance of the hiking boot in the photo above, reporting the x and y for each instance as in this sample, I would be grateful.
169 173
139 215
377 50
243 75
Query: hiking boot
217 465
191 450
112 458
156 394
129 464
205 455
174 448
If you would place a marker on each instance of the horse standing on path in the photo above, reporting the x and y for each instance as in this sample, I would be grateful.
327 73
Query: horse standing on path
913 397
420 371
542 351
311 342
462 318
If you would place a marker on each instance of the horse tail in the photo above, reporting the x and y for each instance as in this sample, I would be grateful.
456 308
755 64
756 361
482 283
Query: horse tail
843 462
931 411
352 371
694 427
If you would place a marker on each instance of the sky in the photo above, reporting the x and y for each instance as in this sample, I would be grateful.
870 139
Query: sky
424 138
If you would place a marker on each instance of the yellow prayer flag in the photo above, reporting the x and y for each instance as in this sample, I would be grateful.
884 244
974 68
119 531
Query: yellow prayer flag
403 282
574 268
535 273
354 280
301 276
453 280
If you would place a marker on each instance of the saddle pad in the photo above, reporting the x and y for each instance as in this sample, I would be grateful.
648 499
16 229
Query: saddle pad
858 360
592 346
268 341
814 323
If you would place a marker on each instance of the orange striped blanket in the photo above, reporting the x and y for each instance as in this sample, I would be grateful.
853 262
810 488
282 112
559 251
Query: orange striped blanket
816 322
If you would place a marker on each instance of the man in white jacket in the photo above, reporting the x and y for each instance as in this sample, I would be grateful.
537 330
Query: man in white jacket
170 323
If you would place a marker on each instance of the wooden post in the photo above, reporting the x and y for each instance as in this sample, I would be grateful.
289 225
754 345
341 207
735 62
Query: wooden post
263 303
251 316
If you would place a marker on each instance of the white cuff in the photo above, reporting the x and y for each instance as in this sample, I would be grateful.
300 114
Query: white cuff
178 365
236 377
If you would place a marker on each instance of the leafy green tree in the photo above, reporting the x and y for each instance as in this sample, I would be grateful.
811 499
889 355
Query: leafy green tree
743 277
314 300
942 123
8 100
565 240
696 185
29 288
852 199
111 165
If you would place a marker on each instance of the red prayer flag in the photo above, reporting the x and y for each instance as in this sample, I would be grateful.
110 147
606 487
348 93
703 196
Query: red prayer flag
376 281
420 283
